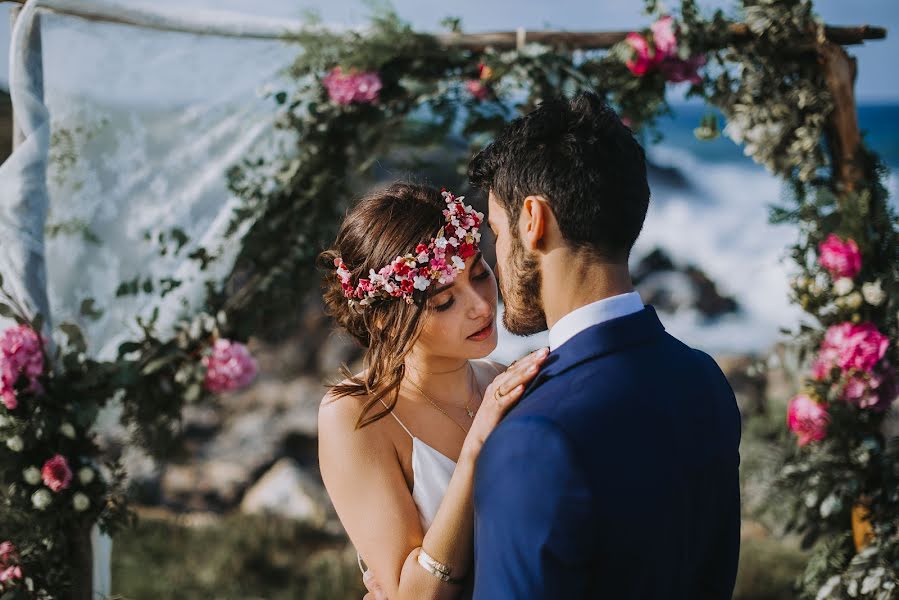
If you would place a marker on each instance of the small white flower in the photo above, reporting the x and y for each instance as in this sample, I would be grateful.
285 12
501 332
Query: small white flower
80 502
68 430
460 232
421 283
32 475
15 444
4 420
873 293
458 262
843 286
454 242
830 505
85 475
854 300
41 499
828 588
441 242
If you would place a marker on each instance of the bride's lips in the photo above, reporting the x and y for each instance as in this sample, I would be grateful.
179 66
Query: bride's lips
483 334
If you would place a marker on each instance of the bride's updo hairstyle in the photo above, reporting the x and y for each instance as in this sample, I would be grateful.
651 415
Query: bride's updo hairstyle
384 224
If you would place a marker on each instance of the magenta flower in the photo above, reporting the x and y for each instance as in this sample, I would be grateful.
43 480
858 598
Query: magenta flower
841 259
229 367
362 88
872 390
56 473
477 89
850 346
20 354
644 60
676 70
807 419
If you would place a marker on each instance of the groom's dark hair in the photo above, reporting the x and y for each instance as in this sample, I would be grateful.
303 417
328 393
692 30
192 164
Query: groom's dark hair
579 156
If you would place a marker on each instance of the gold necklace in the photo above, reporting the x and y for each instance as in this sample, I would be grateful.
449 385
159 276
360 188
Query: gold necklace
435 405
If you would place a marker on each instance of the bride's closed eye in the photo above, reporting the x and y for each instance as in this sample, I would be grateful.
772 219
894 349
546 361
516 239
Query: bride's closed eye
450 301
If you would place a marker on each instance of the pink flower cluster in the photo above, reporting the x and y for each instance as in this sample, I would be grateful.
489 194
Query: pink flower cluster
662 54
850 346
20 354
10 571
229 367
807 419
476 87
56 473
841 259
439 260
346 88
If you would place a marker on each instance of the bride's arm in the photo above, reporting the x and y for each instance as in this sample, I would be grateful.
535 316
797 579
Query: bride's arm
365 481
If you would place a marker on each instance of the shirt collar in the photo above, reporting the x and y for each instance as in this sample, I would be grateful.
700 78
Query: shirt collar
591 314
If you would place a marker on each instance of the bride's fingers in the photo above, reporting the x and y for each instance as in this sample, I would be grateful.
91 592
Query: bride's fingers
522 372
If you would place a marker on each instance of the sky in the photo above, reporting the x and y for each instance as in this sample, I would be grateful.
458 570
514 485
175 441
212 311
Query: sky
878 80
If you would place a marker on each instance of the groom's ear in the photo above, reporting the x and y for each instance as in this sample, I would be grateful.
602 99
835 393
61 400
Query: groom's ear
535 216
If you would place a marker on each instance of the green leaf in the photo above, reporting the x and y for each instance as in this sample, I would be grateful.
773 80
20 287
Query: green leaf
89 310
158 363
193 392
7 311
74 335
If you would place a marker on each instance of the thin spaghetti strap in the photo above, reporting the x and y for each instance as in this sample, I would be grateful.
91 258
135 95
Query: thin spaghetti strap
393 414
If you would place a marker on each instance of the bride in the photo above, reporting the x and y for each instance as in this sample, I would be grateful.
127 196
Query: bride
398 442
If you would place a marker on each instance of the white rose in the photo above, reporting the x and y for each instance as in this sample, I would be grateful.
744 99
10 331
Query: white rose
80 502
873 293
843 286
32 475
68 430
854 300
4 420
15 444
85 475
41 499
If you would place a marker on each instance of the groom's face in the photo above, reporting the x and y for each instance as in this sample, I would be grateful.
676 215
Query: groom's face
518 272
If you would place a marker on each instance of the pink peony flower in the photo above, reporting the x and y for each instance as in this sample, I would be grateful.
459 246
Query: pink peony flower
477 89
850 346
8 553
841 259
20 354
362 88
229 367
664 38
56 473
872 390
644 60
807 419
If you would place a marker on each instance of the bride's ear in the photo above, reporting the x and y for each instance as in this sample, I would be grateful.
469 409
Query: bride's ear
535 216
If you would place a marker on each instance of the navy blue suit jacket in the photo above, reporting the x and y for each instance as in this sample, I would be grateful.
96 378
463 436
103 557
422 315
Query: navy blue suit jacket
615 476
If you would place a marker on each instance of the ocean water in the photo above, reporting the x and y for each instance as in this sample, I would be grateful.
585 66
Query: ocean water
709 208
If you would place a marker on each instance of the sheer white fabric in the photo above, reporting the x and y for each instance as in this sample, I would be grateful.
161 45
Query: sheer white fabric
128 131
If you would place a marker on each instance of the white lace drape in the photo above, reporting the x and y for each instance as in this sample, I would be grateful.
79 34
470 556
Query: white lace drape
128 132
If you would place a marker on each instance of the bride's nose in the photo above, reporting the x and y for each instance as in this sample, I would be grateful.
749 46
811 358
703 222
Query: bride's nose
479 306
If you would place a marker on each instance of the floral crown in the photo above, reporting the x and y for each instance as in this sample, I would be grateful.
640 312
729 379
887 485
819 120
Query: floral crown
440 260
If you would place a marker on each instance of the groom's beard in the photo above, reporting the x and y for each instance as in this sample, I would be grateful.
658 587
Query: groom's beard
523 314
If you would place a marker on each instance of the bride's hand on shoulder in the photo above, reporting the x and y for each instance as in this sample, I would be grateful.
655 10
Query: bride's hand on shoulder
501 395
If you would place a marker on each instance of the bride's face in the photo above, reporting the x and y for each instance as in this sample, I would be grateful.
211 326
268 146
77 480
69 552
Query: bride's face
461 317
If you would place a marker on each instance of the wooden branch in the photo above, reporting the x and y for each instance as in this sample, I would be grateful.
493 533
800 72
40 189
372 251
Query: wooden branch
843 137
596 40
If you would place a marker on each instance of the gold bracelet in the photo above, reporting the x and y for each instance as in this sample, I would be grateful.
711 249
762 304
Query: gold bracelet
437 568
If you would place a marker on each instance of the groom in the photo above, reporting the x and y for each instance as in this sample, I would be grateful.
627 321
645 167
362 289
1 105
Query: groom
616 475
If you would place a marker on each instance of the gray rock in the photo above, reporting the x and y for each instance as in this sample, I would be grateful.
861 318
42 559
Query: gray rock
287 491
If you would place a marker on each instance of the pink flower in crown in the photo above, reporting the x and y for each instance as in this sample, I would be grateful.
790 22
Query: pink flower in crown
229 367
56 473
643 61
664 38
477 89
841 259
807 419
875 390
20 354
352 87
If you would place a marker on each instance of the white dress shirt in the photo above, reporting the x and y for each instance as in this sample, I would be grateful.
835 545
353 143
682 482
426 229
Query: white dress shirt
593 314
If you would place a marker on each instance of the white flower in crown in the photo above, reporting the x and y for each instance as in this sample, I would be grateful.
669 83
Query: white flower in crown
458 263
421 283
441 242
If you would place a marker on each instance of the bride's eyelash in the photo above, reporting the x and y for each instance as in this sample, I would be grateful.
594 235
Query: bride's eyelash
446 305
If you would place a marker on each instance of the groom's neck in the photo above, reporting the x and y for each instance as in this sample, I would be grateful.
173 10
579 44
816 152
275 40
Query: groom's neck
572 280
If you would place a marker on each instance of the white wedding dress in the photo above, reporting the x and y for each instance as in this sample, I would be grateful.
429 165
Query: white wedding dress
431 473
